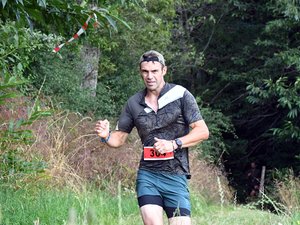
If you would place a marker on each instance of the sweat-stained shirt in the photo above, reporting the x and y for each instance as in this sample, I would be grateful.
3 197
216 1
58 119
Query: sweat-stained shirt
177 108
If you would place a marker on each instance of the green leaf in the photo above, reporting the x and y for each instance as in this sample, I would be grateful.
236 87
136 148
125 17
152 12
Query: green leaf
293 113
9 95
20 67
122 21
103 10
111 21
20 1
4 3
42 3
11 84
83 4
29 21
19 123
11 59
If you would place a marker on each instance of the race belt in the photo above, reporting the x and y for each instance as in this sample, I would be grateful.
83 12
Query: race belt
151 154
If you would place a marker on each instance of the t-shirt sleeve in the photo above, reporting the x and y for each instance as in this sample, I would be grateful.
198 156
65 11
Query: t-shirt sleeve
191 111
125 122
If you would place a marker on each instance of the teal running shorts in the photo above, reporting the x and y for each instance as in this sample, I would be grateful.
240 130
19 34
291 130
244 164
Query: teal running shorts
166 190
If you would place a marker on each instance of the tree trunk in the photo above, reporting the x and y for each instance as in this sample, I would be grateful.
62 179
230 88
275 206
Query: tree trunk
90 61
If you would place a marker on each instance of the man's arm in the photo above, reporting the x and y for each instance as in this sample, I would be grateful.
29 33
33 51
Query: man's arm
113 139
198 133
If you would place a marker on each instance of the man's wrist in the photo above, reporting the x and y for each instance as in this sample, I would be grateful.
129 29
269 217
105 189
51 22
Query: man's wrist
173 145
105 140
178 142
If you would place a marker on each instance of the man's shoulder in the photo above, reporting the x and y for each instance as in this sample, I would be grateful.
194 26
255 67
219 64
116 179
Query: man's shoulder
135 101
137 96
175 87
170 94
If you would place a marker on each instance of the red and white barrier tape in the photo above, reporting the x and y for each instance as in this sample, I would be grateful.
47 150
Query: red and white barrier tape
81 31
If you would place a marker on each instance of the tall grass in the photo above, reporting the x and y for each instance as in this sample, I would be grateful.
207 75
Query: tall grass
93 206
289 193
65 206
74 154
86 182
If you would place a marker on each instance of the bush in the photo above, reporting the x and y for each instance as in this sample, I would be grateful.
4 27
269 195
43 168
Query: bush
16 50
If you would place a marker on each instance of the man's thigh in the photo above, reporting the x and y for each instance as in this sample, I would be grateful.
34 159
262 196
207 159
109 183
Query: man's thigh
180 220
152 214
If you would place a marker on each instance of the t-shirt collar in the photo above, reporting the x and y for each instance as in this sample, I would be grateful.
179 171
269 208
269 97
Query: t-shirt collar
163 91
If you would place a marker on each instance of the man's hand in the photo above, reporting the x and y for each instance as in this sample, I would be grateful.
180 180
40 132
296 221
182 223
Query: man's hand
162 146
102 128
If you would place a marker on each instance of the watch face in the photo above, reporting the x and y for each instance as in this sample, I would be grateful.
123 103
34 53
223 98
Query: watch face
178 142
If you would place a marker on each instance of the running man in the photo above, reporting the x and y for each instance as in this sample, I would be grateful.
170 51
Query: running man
168 121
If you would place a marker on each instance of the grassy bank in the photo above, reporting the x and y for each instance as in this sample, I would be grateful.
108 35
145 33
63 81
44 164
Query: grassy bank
58 207
66 207
70 156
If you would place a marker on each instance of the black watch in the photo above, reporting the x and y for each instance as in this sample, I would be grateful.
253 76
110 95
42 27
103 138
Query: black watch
178 143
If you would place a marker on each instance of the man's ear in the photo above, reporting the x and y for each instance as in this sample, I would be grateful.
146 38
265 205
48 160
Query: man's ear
165 69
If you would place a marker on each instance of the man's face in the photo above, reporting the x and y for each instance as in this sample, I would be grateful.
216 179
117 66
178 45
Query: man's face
153 75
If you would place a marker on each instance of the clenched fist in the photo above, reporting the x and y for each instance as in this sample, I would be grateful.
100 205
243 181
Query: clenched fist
102 128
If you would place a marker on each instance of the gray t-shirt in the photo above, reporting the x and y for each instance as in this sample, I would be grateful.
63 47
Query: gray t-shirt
177 108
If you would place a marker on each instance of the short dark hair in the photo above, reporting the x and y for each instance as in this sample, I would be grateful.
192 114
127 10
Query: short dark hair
153 56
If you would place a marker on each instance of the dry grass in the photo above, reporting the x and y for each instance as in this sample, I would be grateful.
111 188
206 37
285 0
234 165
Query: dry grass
209 181
289 193
75 156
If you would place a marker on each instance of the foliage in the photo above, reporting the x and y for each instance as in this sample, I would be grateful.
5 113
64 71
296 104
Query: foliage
36 14
249 71
219 126
287 188
187 61
141 15
65 89
194 27
284 95
240 57
277 93
16 48
150 23
60 78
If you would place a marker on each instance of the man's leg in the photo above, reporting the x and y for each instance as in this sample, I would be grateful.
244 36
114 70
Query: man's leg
149 198
180 220
152 214
176 198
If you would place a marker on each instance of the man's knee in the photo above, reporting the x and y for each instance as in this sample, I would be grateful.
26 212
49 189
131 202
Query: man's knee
152 214
180 220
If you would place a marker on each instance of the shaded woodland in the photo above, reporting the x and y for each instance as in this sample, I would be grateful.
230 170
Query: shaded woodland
239 58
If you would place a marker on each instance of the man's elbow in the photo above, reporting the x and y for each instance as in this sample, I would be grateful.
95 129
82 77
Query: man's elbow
206 134
202 130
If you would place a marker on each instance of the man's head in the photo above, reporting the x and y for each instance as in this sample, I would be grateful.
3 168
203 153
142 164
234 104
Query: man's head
152 56
153 69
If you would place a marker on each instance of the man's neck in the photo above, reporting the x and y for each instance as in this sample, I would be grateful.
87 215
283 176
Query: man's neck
156 92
